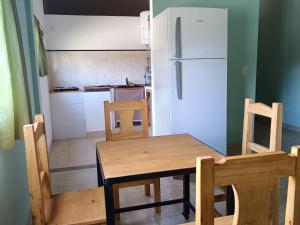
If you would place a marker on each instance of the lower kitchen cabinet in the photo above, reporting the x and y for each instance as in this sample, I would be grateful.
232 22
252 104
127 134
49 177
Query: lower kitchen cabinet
94 110
74 114
68 115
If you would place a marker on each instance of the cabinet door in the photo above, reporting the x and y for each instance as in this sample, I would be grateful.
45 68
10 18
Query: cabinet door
94 110
67 113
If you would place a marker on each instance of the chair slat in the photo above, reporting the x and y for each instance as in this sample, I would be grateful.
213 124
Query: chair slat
260 109
257 148
237 169
276 127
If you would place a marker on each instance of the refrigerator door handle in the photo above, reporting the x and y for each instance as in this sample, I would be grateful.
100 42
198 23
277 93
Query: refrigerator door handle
178 66
178 47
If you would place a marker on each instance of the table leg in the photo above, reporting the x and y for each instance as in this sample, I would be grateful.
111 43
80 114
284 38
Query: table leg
230 201
109 203
99 173
186 196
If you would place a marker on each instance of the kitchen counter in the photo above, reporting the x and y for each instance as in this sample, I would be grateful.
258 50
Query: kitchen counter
66 92
101 88
128 86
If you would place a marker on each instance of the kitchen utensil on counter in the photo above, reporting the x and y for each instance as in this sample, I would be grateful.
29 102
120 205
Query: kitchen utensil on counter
147 78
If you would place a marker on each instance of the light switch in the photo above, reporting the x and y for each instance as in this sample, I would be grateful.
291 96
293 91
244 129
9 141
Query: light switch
244 71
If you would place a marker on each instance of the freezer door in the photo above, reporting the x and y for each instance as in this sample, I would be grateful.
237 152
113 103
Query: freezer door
197 33
201 110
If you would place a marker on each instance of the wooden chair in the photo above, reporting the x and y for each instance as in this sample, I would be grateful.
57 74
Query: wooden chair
126 110
274 113
249 147
252 178
71 208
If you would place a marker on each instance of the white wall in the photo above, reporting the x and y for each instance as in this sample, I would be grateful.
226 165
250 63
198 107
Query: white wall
38 11
93 32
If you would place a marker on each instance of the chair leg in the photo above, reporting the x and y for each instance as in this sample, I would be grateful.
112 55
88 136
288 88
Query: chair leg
116 191
147 190
157 194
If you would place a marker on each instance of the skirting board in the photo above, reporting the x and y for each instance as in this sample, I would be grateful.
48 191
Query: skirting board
291 127
96 134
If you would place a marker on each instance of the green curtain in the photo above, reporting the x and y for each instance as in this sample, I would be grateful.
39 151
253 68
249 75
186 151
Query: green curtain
40 49
14 101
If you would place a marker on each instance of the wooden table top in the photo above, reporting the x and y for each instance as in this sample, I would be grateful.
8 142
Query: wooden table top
152 154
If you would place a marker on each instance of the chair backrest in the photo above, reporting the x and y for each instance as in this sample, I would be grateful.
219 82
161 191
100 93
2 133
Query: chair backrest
275 113
252 177
126 110
37 167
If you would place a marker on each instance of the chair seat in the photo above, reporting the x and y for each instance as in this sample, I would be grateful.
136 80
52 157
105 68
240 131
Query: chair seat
80 207
226 220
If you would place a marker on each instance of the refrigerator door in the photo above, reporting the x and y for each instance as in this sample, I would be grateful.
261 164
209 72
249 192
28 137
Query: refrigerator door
201 109
197 33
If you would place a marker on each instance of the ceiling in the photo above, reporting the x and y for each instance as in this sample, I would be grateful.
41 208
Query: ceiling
96 7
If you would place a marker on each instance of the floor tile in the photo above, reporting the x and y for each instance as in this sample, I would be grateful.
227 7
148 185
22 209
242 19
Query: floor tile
82 144
82 157
58 182
59 159
141 217
82 177
60 146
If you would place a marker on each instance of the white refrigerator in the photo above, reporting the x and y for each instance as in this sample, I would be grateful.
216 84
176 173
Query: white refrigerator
189 64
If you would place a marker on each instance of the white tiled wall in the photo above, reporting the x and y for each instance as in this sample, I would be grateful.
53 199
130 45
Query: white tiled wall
82 68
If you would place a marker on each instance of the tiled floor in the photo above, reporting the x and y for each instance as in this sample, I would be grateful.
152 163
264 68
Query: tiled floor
73 167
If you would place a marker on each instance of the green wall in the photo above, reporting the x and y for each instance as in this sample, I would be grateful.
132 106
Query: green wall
268 54
242 53
279 57
14 199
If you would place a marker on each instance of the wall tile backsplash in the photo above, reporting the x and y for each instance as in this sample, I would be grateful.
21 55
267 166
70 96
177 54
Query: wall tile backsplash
83 68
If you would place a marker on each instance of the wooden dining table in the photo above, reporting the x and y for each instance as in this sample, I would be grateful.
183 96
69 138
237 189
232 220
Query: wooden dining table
148 158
